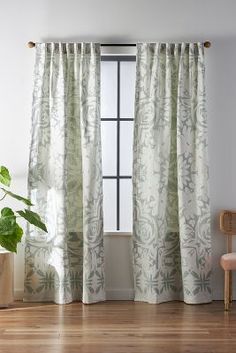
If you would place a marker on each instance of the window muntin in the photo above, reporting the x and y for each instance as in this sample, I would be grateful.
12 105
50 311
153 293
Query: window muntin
117 114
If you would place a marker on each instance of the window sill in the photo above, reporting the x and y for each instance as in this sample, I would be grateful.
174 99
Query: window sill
117 234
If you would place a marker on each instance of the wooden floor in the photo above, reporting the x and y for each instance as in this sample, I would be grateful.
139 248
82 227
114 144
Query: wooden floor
117 327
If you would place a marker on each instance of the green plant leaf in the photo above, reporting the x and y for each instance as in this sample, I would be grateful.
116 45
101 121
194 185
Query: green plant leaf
5 177
7 222
18 197
9 242
7 212
33 218
10 232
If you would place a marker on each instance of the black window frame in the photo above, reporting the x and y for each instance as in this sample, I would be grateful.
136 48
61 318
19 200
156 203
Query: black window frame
118 119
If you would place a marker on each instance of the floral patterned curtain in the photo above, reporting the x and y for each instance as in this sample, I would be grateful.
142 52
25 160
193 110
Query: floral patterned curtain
65 178
172 239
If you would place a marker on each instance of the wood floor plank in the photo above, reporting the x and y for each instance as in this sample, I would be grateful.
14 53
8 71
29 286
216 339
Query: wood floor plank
117 327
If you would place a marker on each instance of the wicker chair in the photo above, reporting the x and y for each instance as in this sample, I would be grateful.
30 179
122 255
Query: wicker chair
228 261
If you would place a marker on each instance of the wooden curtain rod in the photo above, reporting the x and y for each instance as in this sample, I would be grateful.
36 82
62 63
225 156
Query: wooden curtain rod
206 44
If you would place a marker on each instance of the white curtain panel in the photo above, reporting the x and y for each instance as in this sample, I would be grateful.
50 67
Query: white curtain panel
65 177
172 239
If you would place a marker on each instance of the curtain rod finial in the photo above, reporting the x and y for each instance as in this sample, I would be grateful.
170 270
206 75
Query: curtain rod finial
207 44
31 44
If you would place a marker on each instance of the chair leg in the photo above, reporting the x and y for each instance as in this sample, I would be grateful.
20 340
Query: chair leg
230 287
226 291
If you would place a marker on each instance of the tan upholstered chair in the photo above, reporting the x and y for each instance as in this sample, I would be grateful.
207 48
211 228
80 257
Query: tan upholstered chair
228 261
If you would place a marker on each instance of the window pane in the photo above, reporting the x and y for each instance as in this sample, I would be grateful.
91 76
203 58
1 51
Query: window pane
126 211
109 204
108 89
127 89
126 147
109 147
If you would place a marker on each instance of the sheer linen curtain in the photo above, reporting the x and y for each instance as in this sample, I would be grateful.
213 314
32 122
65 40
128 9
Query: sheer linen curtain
65 177
172 239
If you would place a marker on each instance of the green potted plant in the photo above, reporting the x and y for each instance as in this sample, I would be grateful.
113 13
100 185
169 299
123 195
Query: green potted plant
11 234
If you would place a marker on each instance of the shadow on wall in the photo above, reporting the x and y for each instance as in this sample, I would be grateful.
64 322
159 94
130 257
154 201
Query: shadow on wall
221 104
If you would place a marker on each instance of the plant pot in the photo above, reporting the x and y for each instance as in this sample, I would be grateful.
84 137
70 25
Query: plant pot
6 278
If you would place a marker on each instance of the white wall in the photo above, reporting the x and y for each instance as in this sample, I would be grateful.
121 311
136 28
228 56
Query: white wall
121 21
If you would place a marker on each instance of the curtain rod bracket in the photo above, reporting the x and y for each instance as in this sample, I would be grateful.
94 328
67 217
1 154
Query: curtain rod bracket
207 44
31 44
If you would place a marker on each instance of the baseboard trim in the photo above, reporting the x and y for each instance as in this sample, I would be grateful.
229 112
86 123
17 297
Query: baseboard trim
116 294
120 294
18 294
111 294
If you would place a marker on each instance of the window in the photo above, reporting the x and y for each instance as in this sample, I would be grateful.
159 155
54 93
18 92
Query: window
117 114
